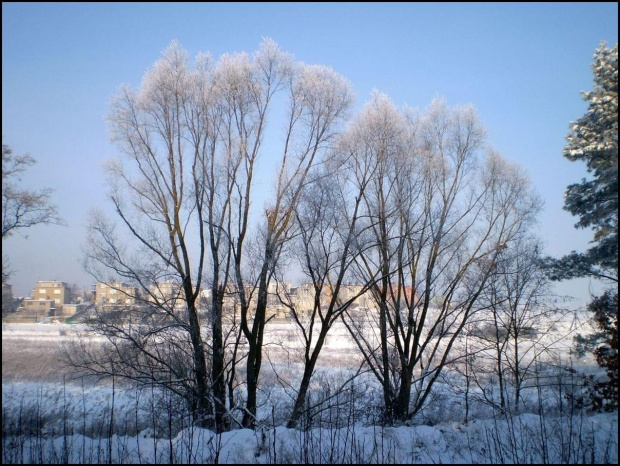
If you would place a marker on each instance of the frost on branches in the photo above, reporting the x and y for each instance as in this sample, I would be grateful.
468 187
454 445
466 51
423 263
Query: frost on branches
593 139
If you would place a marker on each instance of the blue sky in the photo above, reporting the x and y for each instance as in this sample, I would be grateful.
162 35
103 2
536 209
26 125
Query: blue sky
522 65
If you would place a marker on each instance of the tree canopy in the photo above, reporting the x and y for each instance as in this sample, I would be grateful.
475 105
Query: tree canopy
593 139
22 208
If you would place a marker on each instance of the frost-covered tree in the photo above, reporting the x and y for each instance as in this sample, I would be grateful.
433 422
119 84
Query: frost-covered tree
239 94
593 139
318 101
158 193
190 137
440 215
330 226
510 336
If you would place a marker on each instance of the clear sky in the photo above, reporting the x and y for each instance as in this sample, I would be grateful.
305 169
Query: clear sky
522 65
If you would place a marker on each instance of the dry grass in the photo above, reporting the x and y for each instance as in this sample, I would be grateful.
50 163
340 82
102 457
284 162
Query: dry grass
24 359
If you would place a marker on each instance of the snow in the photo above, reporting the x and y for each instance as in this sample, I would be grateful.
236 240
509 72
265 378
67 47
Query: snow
479 442
51 421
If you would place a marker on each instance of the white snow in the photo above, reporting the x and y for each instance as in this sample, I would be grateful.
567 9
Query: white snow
53 422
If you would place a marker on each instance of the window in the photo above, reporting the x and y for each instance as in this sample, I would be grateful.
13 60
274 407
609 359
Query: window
42 291
57 291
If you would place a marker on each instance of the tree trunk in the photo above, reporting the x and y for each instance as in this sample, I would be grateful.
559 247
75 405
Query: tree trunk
255 341
400 412
300 401
201 405
219 385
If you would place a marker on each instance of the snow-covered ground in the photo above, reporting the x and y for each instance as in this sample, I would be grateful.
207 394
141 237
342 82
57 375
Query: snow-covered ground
48 416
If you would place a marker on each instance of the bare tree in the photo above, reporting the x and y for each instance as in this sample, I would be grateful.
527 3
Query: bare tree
334 230
329 230
245 87
194 136
22 208
318 99
440 220
191 136
513 330
158 193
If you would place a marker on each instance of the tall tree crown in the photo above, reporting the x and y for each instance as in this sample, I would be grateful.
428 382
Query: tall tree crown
593 139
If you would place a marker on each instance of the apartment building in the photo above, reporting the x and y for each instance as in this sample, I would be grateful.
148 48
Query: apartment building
301 297
115 295
360 300
169 295
48 299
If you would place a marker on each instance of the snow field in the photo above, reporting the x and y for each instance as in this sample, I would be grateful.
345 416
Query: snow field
48 420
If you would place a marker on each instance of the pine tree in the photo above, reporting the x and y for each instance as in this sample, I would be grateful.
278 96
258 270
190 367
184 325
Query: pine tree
593 139
605 308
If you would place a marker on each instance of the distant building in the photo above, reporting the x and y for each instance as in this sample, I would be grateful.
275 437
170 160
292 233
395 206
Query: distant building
281 296
402 295
302 298
115 295
84 296
37 308
7 293
72 309
48 299
360 300
167 295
